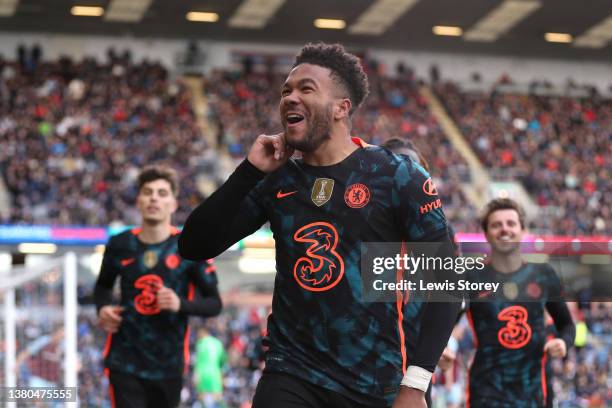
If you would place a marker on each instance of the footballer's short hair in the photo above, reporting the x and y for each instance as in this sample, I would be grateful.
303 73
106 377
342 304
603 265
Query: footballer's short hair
396 144
501 204
159 172
346 69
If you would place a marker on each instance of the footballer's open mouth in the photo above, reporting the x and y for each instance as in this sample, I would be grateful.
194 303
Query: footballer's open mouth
506 238
293 118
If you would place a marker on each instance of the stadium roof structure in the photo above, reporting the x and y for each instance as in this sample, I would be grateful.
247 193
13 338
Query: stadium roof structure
502 27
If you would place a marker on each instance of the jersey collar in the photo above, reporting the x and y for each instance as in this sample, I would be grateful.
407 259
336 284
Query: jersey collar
359 142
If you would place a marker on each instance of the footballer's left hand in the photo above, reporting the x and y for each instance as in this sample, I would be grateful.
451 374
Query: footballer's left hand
555 348
168 300
409 398
447 359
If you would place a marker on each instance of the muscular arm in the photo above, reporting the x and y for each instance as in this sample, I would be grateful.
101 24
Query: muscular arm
421 217
437 322
438 318
224 218
563 321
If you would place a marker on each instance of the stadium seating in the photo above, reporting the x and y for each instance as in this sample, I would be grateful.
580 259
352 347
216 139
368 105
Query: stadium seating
73 138
559 147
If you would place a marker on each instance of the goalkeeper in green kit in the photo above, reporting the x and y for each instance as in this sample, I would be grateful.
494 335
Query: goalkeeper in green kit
209 361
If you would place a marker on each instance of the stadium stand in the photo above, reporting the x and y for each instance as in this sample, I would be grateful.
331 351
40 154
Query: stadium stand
559 147
73 136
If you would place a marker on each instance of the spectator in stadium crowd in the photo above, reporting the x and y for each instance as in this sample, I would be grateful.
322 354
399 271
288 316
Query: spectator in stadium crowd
75 131
557 146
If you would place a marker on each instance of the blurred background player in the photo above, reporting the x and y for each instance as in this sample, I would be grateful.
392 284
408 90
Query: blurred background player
210 359
146 350
328 196
511 337
407 148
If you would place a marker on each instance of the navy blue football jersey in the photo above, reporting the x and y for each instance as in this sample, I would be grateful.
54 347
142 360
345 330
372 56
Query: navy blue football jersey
151 343
509 368
320 329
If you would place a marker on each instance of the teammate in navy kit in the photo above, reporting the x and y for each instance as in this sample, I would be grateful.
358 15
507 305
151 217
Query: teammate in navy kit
509 368
328 347
148 343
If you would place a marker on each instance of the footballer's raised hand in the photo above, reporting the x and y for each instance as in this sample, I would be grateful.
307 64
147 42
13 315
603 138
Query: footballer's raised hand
269 152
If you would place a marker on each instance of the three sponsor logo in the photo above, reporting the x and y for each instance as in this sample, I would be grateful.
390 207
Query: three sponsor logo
321 267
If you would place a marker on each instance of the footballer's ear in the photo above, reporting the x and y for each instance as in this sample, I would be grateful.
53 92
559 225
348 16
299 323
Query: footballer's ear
342 109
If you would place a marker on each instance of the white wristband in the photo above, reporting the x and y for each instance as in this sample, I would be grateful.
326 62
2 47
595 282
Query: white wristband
417 377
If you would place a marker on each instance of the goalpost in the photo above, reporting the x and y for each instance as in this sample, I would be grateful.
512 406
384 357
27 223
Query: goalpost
39 324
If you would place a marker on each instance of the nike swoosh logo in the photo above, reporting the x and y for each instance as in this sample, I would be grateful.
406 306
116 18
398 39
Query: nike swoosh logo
280 194
126 262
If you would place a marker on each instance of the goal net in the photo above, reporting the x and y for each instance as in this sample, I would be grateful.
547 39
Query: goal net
38 330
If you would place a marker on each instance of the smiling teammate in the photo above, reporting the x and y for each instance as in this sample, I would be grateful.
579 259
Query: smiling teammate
511 336
328 347
147 346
